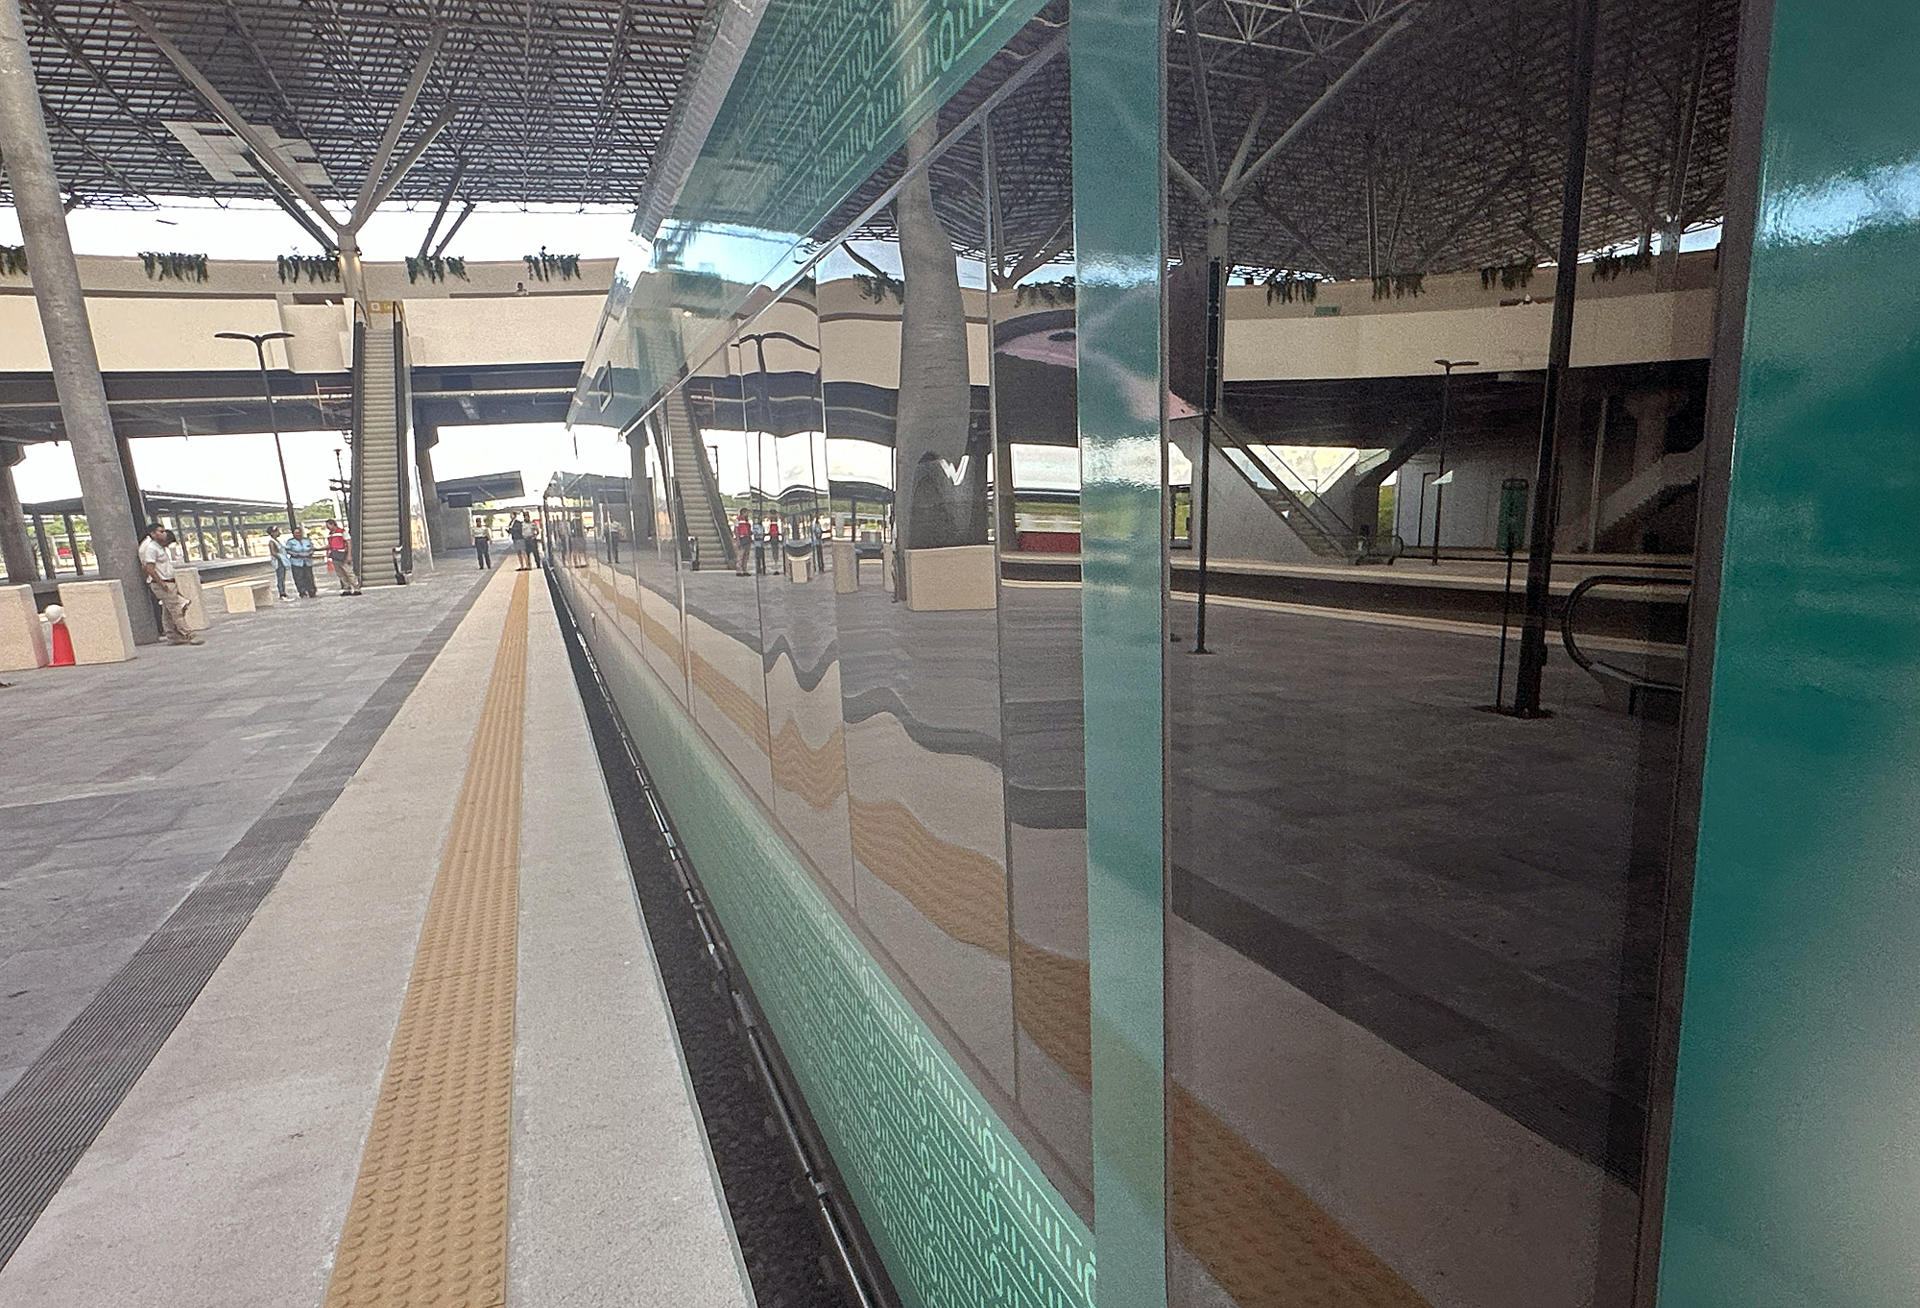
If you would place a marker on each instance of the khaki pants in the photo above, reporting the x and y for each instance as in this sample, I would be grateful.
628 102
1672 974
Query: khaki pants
173 609
342 571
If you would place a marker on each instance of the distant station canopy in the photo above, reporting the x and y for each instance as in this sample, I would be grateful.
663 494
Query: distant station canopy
488 488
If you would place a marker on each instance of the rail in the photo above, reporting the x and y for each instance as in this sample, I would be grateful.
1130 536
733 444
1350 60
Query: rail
1642 694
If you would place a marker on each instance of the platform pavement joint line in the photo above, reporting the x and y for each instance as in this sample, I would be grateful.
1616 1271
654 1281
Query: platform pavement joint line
428 1220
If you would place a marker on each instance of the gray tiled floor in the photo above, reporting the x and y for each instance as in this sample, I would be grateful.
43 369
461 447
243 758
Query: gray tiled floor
122 785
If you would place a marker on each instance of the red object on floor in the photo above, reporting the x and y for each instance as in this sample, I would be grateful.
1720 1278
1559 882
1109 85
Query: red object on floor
1051 542
62 646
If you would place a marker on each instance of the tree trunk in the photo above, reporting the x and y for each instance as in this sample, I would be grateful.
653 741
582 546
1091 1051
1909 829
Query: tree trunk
939 499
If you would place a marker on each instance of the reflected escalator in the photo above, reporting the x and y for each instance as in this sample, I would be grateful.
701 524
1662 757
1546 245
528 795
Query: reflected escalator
1312 519
1640 693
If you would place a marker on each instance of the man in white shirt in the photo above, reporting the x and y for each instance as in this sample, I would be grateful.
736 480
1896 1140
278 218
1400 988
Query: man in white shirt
156 562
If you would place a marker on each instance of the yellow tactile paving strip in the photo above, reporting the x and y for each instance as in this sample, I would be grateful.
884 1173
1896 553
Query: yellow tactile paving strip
1259 1235
428 1222
961 891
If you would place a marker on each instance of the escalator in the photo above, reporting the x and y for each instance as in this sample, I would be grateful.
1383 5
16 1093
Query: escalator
1323 531
702 513
380 508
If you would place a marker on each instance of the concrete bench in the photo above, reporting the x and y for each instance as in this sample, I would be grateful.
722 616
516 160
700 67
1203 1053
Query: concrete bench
247 596
23 639
97 621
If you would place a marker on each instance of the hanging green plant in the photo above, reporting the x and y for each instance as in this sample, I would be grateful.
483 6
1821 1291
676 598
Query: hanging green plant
164 265
1051 294
551 267
1507 276
312 267
435 269
13 260
879 285
1288 287
1606 267
1399 285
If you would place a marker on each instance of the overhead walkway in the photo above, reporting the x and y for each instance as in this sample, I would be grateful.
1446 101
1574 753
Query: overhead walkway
337 990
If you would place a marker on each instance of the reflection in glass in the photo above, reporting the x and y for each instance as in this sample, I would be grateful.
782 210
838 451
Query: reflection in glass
1030 307
902 335
1413 939
793 506
727 685
657 565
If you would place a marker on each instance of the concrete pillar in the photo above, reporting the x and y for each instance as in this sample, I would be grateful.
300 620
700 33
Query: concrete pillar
16 551
136 498
639 487
443 532
63 317
73 545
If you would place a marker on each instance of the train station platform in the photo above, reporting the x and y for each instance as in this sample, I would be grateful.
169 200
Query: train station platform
324 979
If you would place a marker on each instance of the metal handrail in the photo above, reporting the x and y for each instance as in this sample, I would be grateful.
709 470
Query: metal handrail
1579 656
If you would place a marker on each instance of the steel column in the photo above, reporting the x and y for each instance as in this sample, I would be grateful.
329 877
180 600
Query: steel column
63 320
1533 628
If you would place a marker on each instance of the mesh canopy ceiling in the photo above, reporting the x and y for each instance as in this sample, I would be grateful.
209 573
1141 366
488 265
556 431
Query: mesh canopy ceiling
557 101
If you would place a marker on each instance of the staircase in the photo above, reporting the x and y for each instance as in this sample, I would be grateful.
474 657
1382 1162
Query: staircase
377 456
702 514
1649 488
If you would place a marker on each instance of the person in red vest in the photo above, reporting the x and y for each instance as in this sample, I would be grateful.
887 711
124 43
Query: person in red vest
341 555
742 541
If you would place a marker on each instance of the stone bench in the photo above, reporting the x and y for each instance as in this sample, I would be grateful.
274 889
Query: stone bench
247 596
97 621
23 638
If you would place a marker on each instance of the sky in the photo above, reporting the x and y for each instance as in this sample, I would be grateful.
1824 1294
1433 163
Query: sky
243 466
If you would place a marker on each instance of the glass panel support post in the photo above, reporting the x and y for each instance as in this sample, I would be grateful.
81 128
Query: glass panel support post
1116 112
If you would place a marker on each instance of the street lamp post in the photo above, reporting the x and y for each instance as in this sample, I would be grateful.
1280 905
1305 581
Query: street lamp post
273 419
1446 418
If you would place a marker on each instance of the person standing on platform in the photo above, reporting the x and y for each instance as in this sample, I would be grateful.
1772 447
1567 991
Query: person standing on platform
482 539
341 556
279 561
156 564
517 533
742 542
299 552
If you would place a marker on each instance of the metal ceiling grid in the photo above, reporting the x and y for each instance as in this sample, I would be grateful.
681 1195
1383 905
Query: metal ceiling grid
1451 115
555 101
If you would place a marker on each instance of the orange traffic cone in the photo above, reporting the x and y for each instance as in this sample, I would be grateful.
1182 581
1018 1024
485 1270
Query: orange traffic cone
62 646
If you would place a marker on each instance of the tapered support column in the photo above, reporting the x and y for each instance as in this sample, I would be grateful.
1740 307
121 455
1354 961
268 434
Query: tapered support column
640 488
442 533
16 549
63 319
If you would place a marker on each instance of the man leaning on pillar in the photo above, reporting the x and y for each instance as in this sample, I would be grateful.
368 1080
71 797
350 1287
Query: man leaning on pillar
156 563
